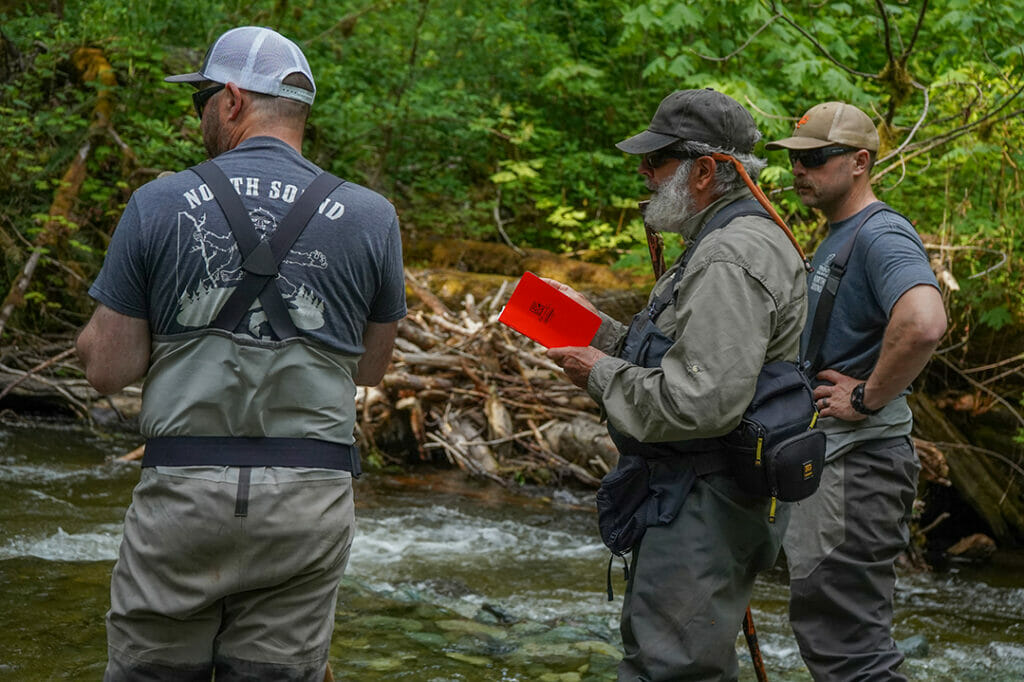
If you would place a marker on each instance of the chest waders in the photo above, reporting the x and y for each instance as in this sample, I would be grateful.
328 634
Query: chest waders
261 259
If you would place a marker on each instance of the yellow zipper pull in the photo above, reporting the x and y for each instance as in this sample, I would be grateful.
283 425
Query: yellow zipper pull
771 512
757 454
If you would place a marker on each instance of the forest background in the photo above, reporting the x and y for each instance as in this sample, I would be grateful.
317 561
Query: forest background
495 120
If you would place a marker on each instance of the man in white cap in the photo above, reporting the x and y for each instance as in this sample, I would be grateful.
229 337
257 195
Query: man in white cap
886 319
681 375
254 292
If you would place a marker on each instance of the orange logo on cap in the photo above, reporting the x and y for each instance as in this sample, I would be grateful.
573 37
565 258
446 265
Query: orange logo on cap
801 121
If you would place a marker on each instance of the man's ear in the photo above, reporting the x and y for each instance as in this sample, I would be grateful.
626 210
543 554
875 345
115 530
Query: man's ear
702 175
236 101
861 161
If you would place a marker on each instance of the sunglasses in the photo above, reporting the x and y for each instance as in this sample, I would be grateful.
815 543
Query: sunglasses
660 157
201 97
813 158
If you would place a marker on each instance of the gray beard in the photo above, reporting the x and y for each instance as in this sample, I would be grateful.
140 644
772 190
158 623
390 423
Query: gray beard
672 203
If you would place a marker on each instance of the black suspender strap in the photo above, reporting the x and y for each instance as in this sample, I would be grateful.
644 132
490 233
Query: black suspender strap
261 257
827 298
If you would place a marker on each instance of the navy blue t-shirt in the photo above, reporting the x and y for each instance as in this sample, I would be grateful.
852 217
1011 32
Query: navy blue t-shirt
888 259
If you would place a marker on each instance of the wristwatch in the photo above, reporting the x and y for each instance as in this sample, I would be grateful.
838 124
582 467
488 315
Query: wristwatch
857 400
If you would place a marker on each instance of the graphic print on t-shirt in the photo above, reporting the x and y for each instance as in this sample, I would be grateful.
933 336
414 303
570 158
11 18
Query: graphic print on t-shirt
221 272
821 274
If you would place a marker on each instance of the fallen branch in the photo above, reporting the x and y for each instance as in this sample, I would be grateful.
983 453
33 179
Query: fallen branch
38 368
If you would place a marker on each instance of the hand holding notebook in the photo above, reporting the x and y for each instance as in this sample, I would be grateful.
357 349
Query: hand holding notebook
548 316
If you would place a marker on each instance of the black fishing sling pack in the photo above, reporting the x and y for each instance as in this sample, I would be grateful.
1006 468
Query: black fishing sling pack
261 259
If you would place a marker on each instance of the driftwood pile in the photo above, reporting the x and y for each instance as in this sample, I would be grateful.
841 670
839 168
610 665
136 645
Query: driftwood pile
465 388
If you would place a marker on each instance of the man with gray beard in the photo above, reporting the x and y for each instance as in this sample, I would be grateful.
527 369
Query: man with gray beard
682 374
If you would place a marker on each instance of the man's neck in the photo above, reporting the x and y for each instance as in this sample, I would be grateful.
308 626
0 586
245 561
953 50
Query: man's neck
859 198
287 134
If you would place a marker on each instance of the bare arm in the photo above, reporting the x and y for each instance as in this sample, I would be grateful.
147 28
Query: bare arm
916 326
379 341
114 349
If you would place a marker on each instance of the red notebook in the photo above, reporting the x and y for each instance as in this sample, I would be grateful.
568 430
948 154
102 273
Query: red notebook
548 316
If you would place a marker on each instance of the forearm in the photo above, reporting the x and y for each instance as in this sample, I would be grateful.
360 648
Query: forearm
707 377
609 334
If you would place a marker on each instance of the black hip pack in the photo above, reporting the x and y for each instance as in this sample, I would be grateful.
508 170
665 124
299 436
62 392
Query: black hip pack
776 451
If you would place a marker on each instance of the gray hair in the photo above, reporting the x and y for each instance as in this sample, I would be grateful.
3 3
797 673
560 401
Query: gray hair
726 176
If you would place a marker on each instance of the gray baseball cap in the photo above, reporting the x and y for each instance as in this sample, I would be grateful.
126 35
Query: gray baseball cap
255 59
706 116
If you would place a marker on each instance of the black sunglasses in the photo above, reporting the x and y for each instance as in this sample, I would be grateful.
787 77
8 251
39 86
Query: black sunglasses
813 158
660 157
201 97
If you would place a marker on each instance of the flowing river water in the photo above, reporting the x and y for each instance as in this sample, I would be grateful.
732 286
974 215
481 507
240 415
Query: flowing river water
448 580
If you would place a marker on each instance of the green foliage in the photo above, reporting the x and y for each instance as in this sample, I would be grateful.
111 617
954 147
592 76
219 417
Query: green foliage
476 113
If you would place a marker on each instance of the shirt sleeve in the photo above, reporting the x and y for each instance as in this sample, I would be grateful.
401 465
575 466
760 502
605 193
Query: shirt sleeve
389 303
724 319
609 334
122 284
895 262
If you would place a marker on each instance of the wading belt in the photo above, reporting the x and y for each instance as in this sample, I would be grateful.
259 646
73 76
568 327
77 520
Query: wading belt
260 261
250 452
261 258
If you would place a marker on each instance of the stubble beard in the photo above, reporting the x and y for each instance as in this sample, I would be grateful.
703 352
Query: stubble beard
211 129
671 203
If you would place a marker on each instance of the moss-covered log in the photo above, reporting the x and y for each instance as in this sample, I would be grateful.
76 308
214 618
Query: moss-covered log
990 482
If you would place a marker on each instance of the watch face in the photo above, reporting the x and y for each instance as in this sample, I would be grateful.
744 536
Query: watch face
857 400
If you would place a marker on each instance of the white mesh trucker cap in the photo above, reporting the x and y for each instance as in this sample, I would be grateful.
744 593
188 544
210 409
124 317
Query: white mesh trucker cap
256 59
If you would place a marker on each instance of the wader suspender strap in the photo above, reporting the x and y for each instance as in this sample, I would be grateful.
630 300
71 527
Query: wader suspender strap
827 298
261 257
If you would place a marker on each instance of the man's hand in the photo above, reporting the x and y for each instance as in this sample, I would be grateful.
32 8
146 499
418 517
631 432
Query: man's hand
833 399
573 294
577 361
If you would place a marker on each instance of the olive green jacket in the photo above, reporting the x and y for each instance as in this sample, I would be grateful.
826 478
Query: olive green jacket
740 304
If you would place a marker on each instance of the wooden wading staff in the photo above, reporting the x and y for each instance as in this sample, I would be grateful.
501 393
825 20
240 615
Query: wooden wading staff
755 649
655 245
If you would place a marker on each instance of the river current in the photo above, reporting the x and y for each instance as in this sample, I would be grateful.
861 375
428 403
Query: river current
449 579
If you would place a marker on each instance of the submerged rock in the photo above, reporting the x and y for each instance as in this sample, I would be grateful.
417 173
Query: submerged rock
914 647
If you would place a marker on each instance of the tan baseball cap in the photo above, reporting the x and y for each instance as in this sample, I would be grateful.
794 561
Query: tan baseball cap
831 123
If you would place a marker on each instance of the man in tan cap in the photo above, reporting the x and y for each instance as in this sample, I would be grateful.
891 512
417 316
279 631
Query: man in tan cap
886 319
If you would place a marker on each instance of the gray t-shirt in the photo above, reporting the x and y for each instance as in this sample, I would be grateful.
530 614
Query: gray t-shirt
173 260
888 259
